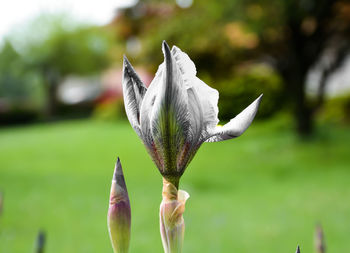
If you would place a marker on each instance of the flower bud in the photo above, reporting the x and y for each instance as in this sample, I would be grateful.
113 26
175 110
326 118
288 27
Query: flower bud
319 240
119 212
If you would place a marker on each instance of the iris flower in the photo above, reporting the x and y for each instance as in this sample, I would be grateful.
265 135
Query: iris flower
173 117
177 113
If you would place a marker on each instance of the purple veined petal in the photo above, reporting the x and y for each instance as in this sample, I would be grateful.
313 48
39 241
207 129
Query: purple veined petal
195 133
170 116
133 92
148 103
146 110
237 125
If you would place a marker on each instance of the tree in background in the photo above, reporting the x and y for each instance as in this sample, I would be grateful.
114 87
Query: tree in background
57 46
315 34
292 36
21 91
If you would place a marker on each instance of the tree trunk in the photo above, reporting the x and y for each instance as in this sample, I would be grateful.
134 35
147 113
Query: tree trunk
304 120
295 79
51 86
303 112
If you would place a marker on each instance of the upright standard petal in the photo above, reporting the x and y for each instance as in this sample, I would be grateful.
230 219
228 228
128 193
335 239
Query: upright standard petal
170 117
207 96
133 91
119 212
237 125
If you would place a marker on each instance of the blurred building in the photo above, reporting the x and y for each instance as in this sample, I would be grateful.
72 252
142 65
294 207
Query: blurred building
77 90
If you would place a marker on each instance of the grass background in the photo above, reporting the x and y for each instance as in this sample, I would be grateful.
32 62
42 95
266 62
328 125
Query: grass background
263 192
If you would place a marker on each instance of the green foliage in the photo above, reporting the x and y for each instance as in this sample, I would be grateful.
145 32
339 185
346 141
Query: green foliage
109 110
218 36
21 88
64 46
44 51
246 85
336 109
225 32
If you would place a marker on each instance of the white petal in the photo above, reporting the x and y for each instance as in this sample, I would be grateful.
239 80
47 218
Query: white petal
146 110
186 66
208 97
133 92
196 116
195 132
148 102
237 125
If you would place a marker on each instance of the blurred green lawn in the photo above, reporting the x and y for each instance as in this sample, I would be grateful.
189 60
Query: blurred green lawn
263 192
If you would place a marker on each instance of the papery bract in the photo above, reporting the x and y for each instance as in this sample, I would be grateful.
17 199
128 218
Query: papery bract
172 225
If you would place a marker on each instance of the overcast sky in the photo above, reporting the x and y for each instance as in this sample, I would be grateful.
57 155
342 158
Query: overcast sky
16 12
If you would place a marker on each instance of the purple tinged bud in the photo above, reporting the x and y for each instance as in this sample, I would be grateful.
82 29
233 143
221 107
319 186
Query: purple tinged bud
319 240
119 212
298 249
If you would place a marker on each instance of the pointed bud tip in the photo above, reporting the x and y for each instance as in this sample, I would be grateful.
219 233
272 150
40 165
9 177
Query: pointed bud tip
255 105
126 63
166 49
118 169
258 100
298 249
129 72
118 188
164 44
